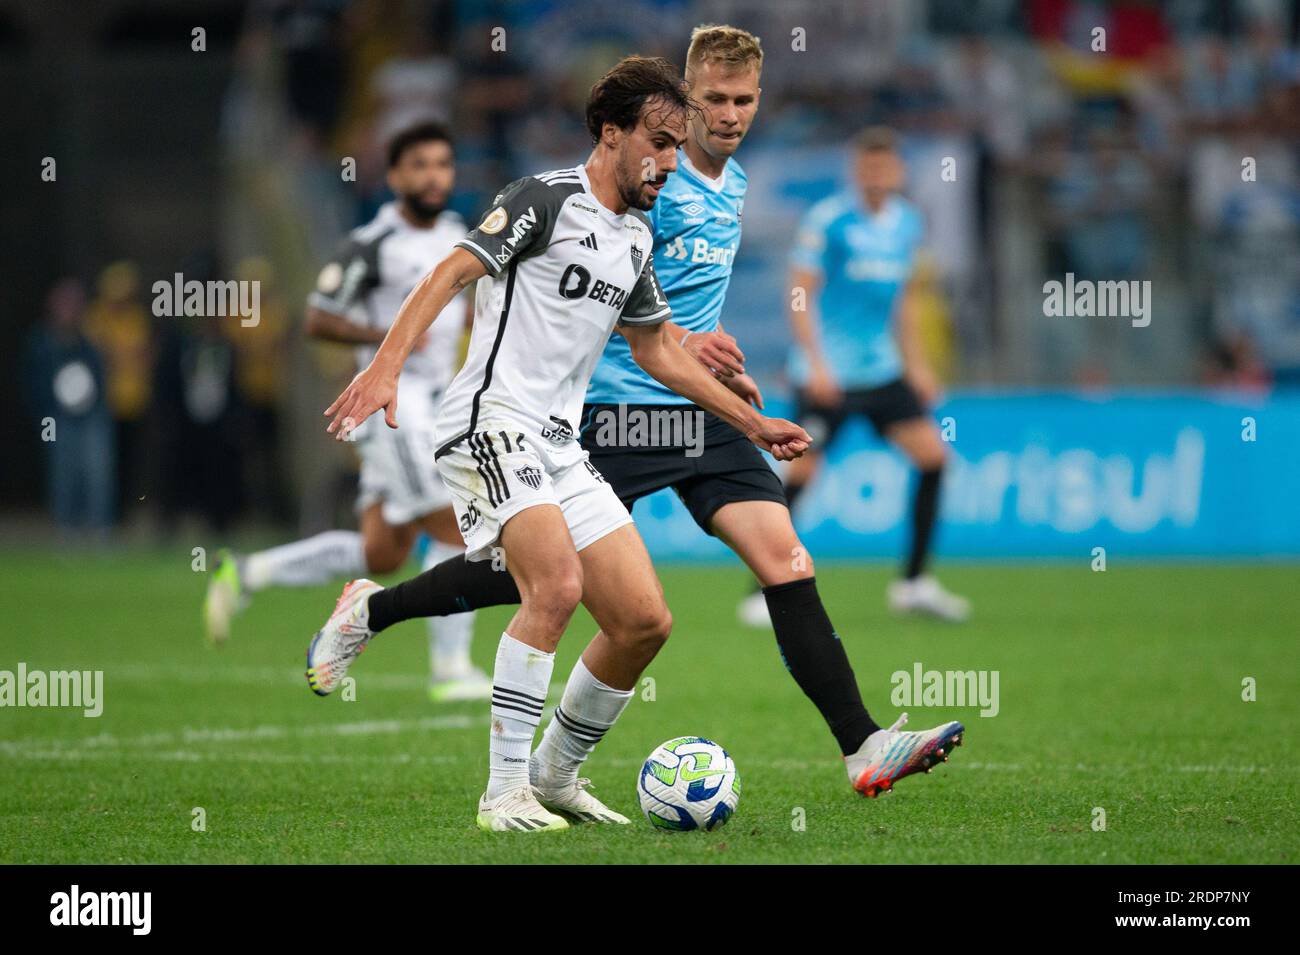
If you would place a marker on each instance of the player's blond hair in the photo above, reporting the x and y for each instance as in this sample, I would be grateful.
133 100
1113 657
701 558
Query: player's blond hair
733 47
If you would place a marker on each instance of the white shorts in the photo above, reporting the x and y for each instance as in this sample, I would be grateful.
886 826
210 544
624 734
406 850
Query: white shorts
397 465
493 475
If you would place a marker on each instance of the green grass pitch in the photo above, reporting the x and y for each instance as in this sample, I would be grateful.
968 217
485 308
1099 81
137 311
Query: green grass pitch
1119 690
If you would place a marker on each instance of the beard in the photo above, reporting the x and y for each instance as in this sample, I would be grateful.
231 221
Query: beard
631 189
422 210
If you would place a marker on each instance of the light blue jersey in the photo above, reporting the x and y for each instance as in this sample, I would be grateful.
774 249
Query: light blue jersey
865 261
696 224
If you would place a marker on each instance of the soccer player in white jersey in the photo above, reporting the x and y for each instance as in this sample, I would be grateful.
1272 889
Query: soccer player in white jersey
725 484
565 259
355 301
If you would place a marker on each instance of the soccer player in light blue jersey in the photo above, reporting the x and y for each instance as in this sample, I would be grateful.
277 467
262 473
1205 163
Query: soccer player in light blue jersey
859 351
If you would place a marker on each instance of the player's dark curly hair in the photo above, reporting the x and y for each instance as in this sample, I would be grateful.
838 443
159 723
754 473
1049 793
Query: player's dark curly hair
621 94
420 133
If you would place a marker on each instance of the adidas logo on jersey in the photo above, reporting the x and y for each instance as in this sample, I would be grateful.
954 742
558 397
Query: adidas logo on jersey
700 252
590 242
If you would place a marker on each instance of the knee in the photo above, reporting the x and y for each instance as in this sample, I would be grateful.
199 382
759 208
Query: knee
646 629
783 562
555 597
932 459
383 558
931 456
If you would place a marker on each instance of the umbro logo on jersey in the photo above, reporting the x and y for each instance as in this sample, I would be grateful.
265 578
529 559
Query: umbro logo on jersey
530 476
560 433
693 209
590 242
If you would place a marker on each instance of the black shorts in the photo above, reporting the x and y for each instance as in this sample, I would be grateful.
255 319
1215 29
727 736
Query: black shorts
697 454
884 407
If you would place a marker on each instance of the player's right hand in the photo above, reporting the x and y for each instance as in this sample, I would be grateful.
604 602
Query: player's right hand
716 351
785 440
369 391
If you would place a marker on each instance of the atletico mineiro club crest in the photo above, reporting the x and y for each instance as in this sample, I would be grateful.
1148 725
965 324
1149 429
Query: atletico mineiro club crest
530 475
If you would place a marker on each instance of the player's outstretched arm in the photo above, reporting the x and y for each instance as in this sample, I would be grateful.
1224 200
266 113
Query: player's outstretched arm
822 386
716 351
655 350
376 386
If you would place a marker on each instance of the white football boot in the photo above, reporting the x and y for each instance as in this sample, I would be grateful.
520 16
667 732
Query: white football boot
344 636
752 611
888 755
516 811
576 802
924 595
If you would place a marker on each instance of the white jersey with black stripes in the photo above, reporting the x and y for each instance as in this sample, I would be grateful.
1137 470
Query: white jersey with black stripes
373 272
563 271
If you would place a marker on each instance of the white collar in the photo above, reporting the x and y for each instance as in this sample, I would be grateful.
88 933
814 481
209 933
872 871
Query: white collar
716 185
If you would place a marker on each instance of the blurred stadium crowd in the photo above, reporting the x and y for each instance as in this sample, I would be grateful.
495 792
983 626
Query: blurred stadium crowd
1169 156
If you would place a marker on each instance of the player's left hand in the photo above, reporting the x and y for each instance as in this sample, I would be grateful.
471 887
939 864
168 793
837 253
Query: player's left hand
716 351
747 388
785 440
369 391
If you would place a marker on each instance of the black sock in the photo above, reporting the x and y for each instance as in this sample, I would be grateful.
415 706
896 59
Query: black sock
456 585
924 508
813 654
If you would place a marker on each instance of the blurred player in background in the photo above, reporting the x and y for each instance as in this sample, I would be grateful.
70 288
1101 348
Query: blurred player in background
356 299
859 351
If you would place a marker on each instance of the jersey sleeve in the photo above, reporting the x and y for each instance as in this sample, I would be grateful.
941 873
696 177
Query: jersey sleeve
647 304
520 221
810 242
917 238
346 278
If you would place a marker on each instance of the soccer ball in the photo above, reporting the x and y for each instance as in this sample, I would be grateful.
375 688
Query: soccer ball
688 783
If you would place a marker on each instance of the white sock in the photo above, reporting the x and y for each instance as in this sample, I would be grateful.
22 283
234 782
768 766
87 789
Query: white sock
587 710
316 560
519 683
449 637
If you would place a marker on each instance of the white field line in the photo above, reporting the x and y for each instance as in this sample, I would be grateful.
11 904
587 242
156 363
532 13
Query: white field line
189 736
805 765
218 672
161 747
230 756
